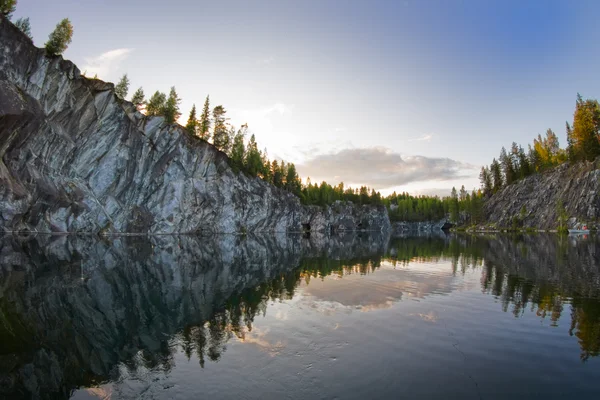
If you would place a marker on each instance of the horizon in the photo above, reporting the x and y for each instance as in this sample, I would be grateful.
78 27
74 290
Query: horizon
321 89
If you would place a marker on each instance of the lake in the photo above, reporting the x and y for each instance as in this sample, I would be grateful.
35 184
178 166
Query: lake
294 317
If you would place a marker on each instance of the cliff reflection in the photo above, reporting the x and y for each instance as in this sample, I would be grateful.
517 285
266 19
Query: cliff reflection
77 311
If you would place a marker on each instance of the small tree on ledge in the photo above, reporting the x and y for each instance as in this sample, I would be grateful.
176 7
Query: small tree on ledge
60 38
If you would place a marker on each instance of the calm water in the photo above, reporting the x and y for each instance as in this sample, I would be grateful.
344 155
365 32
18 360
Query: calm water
465 317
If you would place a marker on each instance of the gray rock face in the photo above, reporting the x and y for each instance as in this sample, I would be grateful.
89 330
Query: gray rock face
400 228
73 157
577 186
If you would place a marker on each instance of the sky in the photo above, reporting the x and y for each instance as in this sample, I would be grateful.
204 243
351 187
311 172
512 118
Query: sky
398 95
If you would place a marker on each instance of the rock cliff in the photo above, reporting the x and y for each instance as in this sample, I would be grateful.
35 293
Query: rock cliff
577 186
75 158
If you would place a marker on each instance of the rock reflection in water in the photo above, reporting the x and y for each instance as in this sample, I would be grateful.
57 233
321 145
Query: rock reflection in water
78 311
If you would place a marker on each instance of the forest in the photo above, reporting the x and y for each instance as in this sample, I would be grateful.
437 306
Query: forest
583 144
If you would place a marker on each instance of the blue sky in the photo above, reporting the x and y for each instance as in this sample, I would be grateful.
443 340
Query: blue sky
399 95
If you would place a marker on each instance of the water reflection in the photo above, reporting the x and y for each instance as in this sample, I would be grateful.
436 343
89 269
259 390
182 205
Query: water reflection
78 311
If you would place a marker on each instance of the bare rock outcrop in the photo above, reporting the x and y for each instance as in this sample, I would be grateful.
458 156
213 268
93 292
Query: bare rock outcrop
577 186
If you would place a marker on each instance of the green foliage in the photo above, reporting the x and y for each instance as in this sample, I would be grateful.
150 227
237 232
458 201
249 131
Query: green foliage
238 150
220 130
192 122
171 108
7 7
454 207
204 127
138 98
60 38
122 88
156 104
24 25
485 177
253 163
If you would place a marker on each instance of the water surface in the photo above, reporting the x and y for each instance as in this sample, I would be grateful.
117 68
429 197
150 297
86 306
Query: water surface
357 316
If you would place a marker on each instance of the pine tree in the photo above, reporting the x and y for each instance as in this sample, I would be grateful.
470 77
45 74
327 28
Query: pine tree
192 123
60 38
253 164
277 178
238 151
220 131
138 98
292 181
453 207
7 7
507 167
156 104
122 88
496 173
171 109
485 177
204 128
24 25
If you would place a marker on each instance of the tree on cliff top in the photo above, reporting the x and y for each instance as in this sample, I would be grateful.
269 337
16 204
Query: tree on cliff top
24 25
171 110
59 39
138 98
192 123
204 127
122 88
220 131
586 130
7 7
156 104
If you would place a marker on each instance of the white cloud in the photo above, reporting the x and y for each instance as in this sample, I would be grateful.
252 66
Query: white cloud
106 63
382 168
424 138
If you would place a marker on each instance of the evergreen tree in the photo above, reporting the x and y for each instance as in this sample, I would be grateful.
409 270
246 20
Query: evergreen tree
507 167
570 146
24 25
204 127
292 181
524 167
7 7
277 177
192 123
60 38
496 173
138 98
238 151
266 166
171 108
220 131
453 207
253 164
485 177
156 104
122 88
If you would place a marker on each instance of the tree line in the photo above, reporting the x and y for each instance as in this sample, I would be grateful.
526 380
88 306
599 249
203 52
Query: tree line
583 143
244 155
461 207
